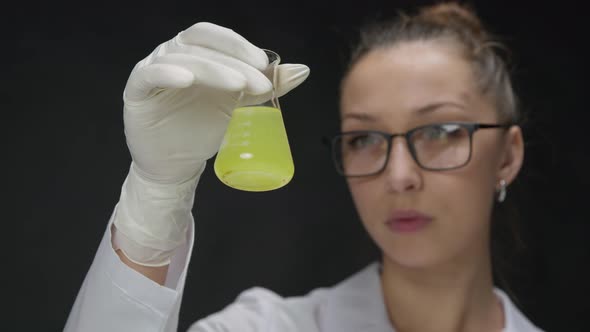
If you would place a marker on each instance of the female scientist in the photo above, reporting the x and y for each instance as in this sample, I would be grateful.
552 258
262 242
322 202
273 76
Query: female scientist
429 144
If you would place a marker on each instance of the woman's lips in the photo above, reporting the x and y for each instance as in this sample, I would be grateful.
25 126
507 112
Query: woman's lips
408 221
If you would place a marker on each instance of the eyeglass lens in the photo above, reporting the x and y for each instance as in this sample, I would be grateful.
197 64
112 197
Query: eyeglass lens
441 146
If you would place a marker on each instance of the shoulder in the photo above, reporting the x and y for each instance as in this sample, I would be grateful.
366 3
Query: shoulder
261 309
515 320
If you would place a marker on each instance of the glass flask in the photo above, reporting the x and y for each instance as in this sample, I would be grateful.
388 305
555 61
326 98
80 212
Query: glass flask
255 154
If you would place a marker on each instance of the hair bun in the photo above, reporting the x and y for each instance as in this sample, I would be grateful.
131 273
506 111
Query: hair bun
455 16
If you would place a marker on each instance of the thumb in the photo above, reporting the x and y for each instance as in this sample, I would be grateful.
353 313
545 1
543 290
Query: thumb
289 76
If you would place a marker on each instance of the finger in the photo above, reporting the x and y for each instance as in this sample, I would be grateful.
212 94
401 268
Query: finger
257 82
224 40
147 79
290 76
206 72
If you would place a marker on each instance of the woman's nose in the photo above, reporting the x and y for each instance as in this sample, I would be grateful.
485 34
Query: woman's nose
401 172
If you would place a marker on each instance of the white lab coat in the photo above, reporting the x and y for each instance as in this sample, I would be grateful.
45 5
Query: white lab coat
115 298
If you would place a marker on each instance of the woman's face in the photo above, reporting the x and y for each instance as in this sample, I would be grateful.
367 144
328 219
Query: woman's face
405 86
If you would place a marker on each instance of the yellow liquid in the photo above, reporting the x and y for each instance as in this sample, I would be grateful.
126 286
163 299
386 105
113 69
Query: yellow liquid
255 153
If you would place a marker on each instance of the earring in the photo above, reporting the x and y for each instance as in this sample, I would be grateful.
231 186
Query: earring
502 191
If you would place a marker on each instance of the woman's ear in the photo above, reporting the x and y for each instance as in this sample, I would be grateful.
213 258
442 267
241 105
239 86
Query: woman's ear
512 155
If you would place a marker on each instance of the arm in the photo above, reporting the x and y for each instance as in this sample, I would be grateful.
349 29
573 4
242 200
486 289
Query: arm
177 104
114 297
155 273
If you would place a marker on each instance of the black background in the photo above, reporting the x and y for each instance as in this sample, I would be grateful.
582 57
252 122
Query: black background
65 66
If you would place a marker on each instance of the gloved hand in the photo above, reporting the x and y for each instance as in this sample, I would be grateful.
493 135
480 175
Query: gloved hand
177 105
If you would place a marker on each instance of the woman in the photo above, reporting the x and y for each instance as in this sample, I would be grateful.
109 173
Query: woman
429 142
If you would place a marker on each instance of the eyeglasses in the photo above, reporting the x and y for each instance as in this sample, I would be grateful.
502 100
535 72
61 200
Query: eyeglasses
434 147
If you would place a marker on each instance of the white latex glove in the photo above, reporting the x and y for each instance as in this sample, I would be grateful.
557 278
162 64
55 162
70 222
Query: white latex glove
178 102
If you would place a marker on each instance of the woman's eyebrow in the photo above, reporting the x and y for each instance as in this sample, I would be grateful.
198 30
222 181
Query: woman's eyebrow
359 116
429 108
435 106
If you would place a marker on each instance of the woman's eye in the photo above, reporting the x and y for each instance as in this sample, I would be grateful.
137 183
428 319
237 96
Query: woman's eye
442 132
362 141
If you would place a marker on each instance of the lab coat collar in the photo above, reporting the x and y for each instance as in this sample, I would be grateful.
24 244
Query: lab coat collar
357 304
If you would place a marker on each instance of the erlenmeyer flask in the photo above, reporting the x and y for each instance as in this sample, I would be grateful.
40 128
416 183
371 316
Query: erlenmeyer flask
255 154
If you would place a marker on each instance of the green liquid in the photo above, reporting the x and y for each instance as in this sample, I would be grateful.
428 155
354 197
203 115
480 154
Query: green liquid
255 153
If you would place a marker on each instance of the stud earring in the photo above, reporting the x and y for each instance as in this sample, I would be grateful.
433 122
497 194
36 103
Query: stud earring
502 191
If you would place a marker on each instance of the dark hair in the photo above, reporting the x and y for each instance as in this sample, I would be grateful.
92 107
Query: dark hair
459 24
456 23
